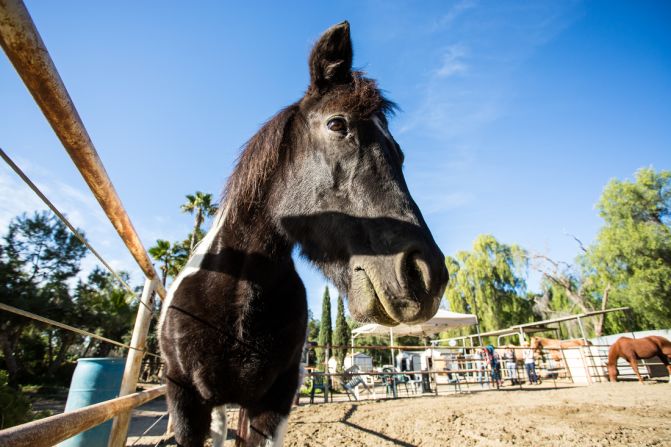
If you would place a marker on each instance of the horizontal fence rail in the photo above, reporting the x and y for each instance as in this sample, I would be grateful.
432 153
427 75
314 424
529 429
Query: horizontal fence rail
54 429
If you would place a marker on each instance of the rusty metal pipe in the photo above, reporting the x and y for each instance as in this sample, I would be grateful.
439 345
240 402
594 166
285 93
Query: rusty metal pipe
54 429
24 47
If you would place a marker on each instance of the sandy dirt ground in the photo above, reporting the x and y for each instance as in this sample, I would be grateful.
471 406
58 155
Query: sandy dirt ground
622 414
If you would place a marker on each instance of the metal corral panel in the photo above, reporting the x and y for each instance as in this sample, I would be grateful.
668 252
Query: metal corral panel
575 362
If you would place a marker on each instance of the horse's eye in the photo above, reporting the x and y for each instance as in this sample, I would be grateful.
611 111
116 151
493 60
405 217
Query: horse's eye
337 125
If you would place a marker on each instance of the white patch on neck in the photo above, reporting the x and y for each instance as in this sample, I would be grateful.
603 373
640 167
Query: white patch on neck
194 262
278 437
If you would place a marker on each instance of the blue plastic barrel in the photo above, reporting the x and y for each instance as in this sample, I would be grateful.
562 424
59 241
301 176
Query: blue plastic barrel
94 380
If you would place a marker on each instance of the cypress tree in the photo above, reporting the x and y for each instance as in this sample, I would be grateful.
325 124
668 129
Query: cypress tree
341 337
325 331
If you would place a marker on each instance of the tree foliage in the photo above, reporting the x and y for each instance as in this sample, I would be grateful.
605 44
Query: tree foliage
107 309
38 256
632 252
341 336
325 331
14 406
39 260
488 281
171 256
201 206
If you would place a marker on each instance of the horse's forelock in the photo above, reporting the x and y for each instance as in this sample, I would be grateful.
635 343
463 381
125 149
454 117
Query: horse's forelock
361 97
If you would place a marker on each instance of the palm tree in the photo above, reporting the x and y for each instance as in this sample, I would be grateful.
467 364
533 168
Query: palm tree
201 205
171 255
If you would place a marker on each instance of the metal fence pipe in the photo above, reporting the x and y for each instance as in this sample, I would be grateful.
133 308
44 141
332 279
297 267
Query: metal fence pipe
133 363
54 429
24 47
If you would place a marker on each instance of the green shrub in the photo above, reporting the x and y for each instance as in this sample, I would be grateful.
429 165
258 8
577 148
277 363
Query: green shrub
14 407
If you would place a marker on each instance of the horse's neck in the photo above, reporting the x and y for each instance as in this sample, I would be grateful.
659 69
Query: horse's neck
549 343
258 272
250 232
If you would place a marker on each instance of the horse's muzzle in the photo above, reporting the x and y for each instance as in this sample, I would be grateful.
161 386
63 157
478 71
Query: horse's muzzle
402 288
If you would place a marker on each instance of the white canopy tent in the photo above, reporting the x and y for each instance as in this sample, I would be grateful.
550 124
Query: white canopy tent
443 320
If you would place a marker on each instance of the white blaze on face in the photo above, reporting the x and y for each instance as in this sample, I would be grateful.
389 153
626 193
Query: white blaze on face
194 262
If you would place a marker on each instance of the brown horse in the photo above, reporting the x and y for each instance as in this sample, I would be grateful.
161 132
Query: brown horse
554 347
633 349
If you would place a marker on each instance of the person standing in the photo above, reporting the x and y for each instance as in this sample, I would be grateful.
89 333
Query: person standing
495 365
511 365
480 366
530 365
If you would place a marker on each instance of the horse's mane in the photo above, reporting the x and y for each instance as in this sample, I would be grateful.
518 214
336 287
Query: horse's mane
259 158
262 155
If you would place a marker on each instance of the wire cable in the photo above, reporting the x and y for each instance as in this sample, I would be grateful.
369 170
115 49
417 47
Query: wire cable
42 319
150 427
67 223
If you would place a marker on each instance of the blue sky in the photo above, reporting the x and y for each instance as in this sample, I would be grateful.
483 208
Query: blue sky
514 115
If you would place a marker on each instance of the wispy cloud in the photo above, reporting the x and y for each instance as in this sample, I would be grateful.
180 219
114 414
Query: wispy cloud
453 61
15 198
457 10
472 79
78 205
439 201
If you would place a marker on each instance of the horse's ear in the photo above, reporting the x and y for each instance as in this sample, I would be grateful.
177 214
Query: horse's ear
331 58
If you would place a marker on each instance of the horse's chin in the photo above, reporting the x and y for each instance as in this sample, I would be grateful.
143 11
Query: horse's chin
364 302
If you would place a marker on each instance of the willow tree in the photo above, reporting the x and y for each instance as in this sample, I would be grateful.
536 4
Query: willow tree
631 257
488 281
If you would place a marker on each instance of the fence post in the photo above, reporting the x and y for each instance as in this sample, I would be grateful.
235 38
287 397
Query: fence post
134 361
327 374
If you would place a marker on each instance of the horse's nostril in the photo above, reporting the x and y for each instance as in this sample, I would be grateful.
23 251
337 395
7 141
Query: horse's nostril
416 272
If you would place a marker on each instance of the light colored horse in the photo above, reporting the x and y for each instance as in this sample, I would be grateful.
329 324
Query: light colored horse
554 347
633 349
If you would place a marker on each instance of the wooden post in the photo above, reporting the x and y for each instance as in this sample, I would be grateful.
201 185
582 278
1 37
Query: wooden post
432 370
134 361
582 330
243 427
327 374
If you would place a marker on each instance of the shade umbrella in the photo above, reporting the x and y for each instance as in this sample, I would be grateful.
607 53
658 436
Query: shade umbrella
442 320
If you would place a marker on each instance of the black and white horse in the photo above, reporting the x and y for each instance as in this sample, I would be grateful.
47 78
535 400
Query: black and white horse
324 174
